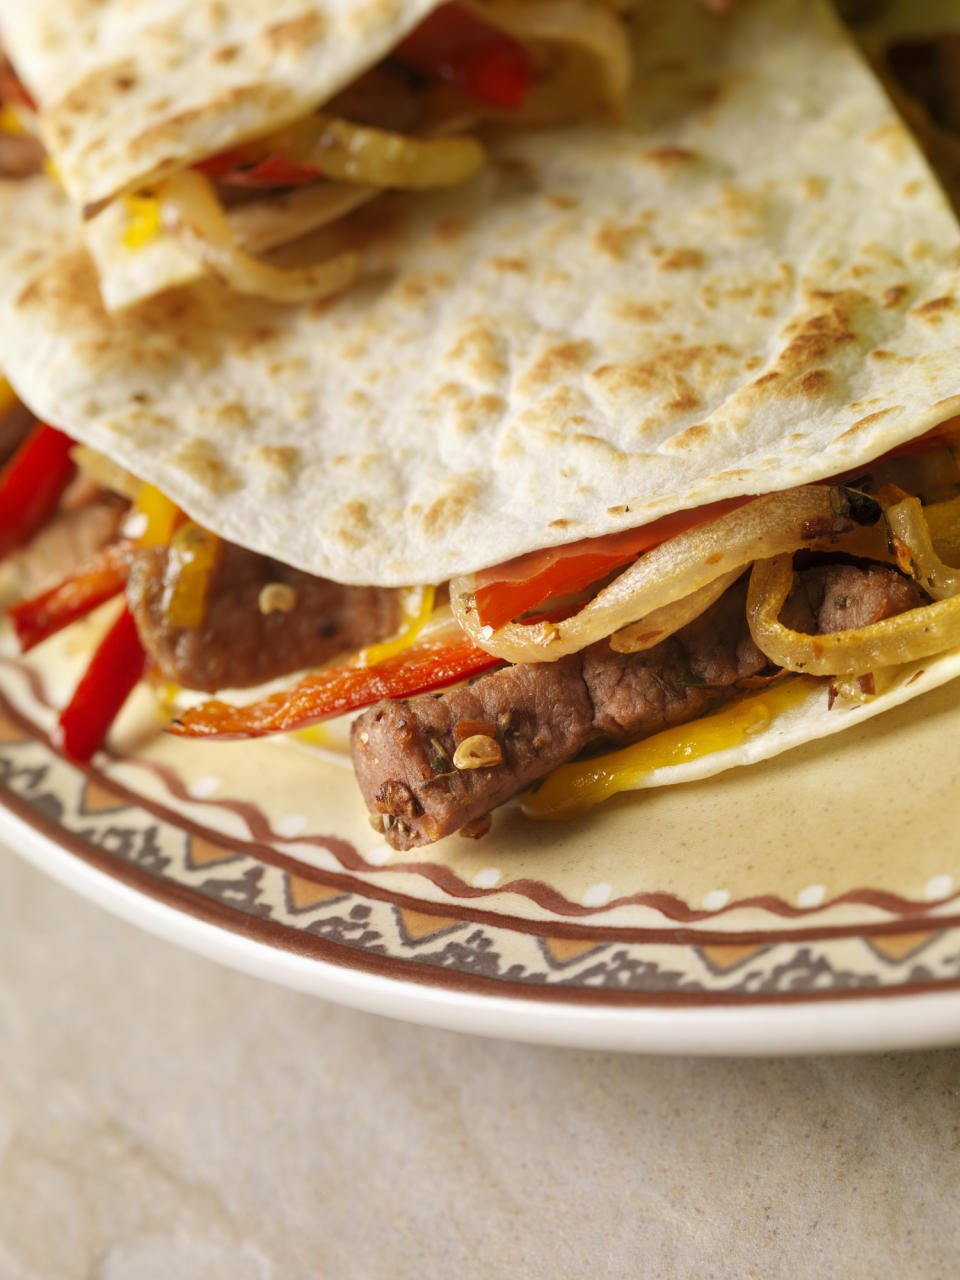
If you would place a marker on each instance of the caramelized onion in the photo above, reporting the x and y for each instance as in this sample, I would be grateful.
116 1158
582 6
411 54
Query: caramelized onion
918 633
191 212
360 153
664 622
909 533
768 526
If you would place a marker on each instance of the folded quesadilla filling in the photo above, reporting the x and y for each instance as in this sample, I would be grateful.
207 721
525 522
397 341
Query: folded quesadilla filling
410 123
606 643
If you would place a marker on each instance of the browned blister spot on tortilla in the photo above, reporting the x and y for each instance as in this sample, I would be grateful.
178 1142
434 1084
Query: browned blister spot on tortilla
665 375
295 34
518 266
684 402
481 351
680 260
932 312
201 461
448 509
872 417
638 312
278 457
815 382
559 361
812 187
829 329
351 523
231 416
616 240
895 294
669 157
688 440
892 137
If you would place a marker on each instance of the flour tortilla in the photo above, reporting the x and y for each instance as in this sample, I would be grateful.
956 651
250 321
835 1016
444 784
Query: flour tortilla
131 90
608 325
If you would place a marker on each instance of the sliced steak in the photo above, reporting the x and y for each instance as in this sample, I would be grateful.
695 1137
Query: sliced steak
843 597
540 715
69 538
403 751
636 694
238 644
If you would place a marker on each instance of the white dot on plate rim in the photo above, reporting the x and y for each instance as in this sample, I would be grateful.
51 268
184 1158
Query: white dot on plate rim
597 895
715 900
937 887
486 878
378 855
291 824
812 896
200 788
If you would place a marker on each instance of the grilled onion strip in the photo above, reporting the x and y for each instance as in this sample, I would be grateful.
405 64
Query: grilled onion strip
913 545
918 633
191 212
361 153
770 525
664 622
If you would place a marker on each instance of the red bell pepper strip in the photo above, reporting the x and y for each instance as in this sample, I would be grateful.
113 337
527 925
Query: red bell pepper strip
455 46
31 485
508 590
237 170
428 664
117 665
99 580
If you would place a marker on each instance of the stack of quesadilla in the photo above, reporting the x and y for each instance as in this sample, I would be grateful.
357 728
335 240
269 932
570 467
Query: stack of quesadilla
645 422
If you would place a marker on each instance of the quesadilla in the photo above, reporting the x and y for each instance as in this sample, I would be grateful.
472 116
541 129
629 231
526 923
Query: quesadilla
195 138
589 390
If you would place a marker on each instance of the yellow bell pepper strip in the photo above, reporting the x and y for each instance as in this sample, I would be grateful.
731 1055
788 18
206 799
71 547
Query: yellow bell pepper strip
193 555
429 664
31 485
116 667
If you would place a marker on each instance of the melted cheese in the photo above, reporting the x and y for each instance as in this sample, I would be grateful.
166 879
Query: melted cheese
574 788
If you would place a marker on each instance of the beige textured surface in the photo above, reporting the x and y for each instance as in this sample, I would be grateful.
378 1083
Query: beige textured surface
538 357
131 89
161 1116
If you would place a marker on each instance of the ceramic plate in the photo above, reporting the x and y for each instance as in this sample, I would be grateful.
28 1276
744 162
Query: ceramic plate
807 903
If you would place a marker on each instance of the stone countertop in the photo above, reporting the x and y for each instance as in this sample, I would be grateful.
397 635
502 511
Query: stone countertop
162 1117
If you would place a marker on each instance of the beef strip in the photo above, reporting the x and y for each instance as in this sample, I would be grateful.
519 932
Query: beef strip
843 597
403 751
237 644
543 714
73 535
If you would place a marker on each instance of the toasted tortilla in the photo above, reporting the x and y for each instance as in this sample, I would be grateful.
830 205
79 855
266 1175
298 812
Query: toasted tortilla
130 90
610 324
